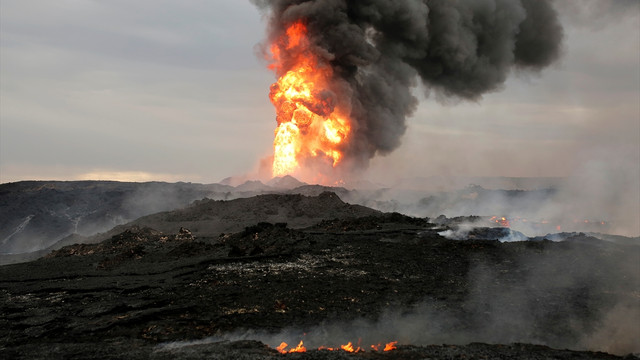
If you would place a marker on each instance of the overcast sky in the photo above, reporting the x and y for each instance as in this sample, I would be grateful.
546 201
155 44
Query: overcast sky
173 90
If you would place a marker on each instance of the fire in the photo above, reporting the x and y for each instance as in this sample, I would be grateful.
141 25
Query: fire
503 221
558 224
283 346
311 122
387 347
348 347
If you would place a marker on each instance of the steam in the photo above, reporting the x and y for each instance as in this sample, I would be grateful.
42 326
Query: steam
466 231
379 48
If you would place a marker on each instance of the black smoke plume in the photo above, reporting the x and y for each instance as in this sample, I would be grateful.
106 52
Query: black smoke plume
379 48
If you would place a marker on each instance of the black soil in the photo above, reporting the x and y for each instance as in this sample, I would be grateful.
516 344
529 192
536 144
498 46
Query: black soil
133 295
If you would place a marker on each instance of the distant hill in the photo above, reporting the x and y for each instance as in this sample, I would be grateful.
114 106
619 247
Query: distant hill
210 218
287 182
36 214
449 183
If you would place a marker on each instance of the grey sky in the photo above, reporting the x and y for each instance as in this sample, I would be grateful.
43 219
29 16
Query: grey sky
173 90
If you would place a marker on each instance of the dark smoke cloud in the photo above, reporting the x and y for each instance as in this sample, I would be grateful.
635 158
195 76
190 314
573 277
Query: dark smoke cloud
379 48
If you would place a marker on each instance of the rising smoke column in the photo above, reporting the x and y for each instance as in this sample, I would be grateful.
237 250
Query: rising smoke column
377 49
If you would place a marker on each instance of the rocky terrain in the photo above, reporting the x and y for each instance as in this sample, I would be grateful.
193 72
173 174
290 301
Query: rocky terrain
317 270
211 217
36 214
39 216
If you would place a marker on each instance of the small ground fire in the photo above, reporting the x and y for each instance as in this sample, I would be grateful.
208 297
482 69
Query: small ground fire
548 225
310 122
348 347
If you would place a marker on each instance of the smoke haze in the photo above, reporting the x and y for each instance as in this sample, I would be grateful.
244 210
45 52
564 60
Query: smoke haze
554 298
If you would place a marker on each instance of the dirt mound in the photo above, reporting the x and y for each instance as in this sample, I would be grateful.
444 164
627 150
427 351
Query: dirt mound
210 218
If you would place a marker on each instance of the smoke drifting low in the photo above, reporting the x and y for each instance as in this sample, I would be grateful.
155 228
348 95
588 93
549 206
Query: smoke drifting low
379 48
550 296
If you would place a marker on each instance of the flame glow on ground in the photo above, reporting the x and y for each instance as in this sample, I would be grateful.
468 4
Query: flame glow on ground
349 347
516 220
311 122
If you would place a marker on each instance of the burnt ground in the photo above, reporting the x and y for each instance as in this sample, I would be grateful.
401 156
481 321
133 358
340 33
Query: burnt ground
146 294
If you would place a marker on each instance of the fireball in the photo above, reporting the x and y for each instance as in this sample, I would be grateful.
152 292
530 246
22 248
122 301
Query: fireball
311 124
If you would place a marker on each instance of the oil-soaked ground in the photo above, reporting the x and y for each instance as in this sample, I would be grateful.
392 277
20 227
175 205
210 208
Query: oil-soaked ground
144 294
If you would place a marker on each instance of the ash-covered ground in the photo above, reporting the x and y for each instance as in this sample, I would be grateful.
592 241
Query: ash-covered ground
361 276
37 217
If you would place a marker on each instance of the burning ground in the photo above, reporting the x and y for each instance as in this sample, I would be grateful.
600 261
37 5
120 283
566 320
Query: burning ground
367 278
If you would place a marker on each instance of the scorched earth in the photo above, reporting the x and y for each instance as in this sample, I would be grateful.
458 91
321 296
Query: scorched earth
367 278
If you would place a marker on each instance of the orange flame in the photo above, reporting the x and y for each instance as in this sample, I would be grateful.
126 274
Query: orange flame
283 348
310 122
348 347
390 346
387 347
502 221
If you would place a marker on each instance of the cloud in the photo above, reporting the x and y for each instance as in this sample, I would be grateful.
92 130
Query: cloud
149 86
162 86
133 176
